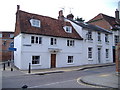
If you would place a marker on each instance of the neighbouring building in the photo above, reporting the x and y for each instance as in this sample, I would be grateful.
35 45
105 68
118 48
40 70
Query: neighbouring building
97 42
109 23
45 42
5 39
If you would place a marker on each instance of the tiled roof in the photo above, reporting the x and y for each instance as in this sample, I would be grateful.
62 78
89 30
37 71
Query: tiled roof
92 27
109 19
49 26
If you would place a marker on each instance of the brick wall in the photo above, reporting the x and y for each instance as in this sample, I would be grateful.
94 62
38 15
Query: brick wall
5 41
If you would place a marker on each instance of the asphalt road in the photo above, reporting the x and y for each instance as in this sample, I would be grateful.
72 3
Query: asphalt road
54 80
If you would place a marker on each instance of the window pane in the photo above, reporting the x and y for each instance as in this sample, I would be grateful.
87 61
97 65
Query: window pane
40 40
70 59
89 52
51 41
36 39
55 41
67 42
1 35
32 39
35 59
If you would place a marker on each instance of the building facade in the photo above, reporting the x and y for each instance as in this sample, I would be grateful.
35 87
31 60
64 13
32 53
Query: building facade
97 43
5 39
45 42
111 24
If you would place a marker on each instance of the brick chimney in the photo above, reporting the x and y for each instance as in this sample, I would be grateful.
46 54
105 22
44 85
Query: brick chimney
61 16
116 15
70 16
18 7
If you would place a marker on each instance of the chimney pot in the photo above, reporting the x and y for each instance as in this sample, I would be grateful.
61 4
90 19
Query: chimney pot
61 16
70 16
117 15
18 7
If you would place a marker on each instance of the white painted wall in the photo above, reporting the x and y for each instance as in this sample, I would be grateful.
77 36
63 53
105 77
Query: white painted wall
17 54
26 52
95 45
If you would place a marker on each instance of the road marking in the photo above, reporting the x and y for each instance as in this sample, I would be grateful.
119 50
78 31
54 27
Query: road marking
104 75
78 81
51 83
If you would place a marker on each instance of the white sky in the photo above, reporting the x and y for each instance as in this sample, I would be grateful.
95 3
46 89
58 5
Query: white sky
87 9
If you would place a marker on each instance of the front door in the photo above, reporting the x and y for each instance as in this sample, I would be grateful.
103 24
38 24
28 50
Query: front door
53 60
99 55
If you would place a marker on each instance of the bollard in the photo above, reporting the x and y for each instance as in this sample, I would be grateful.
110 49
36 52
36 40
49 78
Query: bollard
29 70
11 66
8 63
11 69
3 66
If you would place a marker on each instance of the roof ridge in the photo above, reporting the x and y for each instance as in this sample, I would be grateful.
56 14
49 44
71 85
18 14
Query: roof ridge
37 14
107 16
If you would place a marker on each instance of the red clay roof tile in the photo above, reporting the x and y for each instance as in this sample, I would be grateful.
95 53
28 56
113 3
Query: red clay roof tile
49 26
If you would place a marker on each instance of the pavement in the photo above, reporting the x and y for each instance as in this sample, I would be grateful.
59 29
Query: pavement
104 80
108 80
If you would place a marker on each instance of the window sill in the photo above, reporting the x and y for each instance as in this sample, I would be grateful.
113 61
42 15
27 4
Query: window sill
36 64
90 59
70 63
90 41
107 43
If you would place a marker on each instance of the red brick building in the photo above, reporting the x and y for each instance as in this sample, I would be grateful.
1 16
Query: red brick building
5 39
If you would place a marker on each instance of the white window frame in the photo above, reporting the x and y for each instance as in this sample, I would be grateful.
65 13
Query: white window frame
53 41
35 23
116 38
89 35
70 59
70 42
35 60
90 49
68 29
106 38
36 40
99 36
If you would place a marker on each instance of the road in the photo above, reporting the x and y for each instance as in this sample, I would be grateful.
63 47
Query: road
54 80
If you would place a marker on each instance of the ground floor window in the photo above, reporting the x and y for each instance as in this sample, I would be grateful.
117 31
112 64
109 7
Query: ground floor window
70 59
35 59
90 52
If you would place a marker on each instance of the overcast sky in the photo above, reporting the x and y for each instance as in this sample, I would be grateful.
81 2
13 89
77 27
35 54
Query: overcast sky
87 9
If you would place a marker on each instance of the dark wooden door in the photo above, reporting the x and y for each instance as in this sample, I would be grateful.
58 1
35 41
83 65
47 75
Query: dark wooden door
114 54
53 60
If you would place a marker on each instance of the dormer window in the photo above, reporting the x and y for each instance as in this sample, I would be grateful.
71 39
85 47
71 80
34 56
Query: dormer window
35 23
68 29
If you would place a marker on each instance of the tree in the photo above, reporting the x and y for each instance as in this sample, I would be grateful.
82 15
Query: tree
79 19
